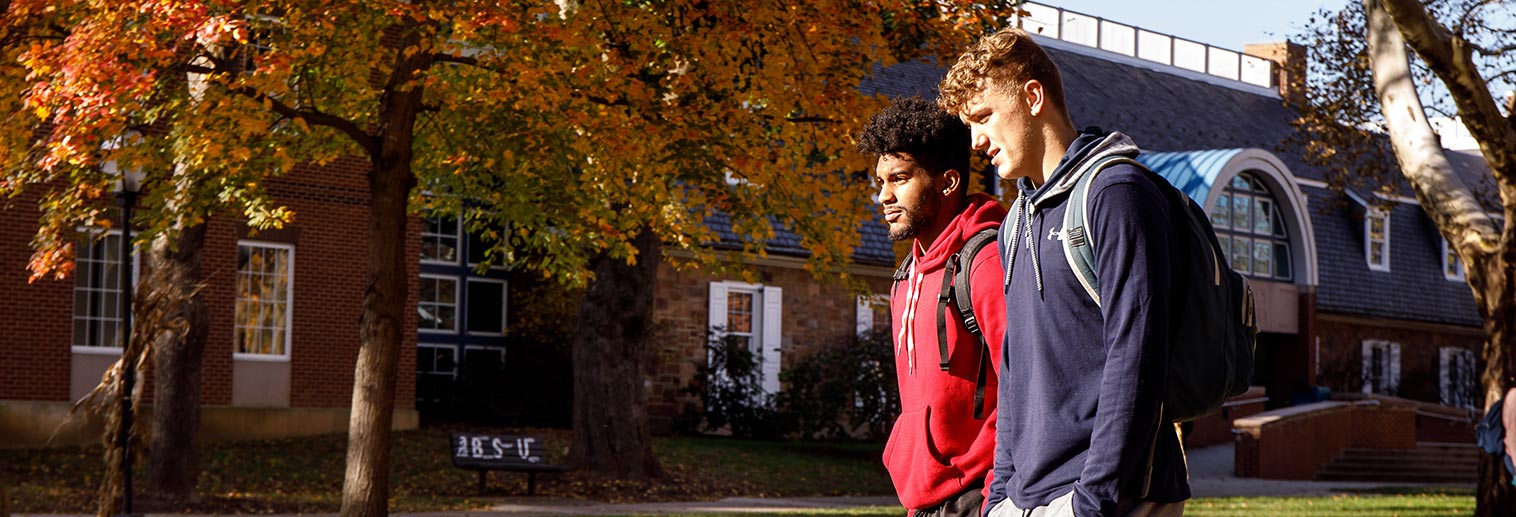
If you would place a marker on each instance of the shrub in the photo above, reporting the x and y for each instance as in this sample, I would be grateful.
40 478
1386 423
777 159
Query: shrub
730 387
843 390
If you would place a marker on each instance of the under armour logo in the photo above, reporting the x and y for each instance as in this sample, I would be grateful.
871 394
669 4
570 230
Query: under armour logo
1054 234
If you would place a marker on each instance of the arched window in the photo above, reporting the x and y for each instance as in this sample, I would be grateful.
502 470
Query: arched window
1251 230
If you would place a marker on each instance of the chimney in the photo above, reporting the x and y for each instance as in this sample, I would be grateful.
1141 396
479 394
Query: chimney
1289 72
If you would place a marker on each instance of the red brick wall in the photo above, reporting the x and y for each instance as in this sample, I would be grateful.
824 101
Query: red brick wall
1306 438
814 313
330 236
37 317
1341 354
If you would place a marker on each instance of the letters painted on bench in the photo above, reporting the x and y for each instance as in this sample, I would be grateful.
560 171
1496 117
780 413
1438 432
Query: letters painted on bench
494 447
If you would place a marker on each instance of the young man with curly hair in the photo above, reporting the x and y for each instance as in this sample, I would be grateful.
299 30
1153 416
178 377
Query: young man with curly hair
1083 432
942 446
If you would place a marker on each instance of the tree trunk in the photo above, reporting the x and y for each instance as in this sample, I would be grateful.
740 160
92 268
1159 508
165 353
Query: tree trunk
1458 214
173 464
365 489
611 432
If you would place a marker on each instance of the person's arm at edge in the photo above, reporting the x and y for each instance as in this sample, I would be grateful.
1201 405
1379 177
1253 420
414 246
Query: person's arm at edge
1001 472
1130 221
989 307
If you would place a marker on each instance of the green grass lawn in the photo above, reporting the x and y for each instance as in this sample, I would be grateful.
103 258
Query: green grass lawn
305 475
1414 503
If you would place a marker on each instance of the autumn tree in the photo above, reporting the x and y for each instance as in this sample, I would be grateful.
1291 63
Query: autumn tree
1365 113
580 139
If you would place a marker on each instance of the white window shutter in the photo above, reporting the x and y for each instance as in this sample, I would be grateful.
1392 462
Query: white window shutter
773 302
1394 353
865 315
1444 375
718 308
716 321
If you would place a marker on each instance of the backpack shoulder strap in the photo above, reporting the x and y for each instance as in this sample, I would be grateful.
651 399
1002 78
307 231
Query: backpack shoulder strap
1078 240
901 272
963 287
963 300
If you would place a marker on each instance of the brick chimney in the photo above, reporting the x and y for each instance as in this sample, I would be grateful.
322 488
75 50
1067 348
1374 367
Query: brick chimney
1289 74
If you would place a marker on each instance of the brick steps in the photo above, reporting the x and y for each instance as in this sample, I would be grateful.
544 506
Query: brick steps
1427 463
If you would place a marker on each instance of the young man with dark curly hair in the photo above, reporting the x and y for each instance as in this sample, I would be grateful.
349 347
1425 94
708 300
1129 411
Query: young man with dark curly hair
1083 432
942 446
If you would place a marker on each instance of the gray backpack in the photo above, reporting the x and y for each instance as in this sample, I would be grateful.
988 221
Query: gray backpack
1213 326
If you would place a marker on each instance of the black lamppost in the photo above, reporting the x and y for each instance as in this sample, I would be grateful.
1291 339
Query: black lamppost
126 195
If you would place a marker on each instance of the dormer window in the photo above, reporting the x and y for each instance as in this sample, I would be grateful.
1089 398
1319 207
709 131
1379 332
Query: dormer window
1452 267
1376 238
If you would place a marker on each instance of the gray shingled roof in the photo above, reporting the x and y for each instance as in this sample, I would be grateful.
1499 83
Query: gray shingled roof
875 248
1166 111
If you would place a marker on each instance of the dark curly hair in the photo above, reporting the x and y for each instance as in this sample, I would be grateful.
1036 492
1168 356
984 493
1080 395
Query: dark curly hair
912 125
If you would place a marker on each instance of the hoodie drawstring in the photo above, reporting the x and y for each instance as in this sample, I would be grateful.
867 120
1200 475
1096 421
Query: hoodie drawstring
1021 216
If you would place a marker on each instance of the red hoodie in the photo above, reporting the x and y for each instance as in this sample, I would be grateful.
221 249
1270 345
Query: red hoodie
937 448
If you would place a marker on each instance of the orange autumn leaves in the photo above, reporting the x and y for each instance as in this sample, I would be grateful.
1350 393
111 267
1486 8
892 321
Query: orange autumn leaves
575 124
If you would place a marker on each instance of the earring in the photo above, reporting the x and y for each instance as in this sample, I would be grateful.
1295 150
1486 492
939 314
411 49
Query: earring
946 190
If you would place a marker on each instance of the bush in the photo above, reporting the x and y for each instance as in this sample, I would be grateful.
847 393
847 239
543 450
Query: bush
842 390
730 387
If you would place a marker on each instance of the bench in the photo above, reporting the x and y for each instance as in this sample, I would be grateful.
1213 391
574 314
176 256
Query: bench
486 452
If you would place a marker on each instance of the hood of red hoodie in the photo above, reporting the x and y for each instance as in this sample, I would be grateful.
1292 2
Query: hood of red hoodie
980 212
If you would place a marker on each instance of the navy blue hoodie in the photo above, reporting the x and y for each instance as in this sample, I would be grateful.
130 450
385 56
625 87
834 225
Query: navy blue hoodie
1081 386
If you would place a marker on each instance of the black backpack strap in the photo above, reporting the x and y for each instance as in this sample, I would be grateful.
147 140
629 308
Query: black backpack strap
957 291
901 273
964 298
945 297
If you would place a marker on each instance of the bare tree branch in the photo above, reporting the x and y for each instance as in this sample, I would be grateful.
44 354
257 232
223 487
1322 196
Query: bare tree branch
1451 58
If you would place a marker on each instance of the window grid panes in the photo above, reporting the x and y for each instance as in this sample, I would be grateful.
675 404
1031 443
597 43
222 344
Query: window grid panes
1452 266
437 360
439 239
97 291
261 314
437 305
1251 230
739 316
1459 375
1377 224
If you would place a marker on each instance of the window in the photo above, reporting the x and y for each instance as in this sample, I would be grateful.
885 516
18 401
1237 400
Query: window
1376 232
751 313
1452 267
97 290
1251 229
486 306
436 360
437 304
869 309
265 278
436 369
439 240
1457 371
1381 367
480 360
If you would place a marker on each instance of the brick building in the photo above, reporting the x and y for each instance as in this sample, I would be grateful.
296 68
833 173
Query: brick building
1356 291
284 306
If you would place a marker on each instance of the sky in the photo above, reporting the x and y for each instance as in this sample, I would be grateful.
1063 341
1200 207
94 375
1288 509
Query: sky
1228 24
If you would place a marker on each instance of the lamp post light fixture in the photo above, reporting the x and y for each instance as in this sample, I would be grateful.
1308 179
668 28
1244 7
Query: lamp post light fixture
127 187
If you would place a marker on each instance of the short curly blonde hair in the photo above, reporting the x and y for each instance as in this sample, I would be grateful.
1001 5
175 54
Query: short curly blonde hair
1000 61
